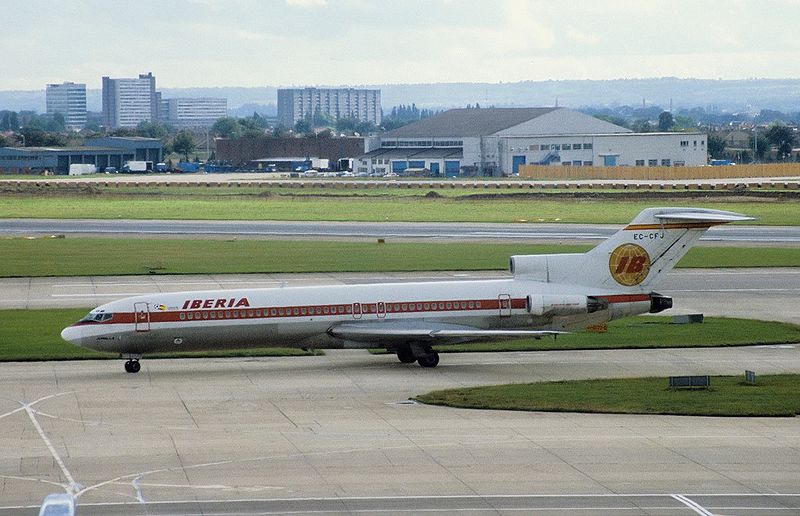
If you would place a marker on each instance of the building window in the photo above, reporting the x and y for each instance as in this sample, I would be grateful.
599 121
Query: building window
555 146
666 163
576 146
566 163
652 162
576 163
566 146
545 147
639 162
685 143
680 163
587 145
587 163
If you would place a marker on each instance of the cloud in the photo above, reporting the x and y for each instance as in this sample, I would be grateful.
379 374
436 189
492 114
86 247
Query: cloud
579 36
306 3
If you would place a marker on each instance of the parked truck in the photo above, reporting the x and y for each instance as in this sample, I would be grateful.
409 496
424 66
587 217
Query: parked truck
138 166
79 169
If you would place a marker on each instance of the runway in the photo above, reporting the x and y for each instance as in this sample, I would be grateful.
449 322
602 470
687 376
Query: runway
336 434
752 235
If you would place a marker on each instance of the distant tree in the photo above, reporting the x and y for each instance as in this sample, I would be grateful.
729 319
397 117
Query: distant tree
152 130
13 121
3 142
279 131
184 143
227 127
327 133
642 126
35 137
684 122
302 126
783 138
665 122
124 132
716 145
760 144
322 120
346 125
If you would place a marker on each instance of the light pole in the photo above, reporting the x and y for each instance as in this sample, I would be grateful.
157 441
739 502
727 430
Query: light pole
23 139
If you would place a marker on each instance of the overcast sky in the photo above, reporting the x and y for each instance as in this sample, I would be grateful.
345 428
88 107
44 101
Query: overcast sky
354 42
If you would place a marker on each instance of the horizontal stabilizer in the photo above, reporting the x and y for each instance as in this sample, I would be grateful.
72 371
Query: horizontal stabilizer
709 216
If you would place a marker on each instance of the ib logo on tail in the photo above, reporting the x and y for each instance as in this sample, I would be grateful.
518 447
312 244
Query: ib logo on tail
629 264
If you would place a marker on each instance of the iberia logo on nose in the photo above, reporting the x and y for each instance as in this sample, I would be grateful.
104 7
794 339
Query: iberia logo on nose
629 264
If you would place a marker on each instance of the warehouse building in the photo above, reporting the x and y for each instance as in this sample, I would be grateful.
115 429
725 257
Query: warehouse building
246 151
496 141
100 152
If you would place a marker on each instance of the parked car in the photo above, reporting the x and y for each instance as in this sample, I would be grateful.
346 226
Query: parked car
58 504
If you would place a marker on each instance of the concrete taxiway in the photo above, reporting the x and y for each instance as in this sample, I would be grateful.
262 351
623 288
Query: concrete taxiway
336 434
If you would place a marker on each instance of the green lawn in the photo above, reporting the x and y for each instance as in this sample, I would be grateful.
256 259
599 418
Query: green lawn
653 332
773 395
371 208
112 256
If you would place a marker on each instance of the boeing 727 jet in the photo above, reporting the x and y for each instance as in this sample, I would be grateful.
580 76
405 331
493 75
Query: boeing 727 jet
546 295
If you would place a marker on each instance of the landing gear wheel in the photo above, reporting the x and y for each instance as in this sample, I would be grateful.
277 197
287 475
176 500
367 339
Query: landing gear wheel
431 360
406 356
132 366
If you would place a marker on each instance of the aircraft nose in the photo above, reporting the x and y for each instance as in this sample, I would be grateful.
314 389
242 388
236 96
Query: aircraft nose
72 334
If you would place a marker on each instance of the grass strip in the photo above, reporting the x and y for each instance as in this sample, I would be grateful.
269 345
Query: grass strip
375 209
771 396
106 256
35 335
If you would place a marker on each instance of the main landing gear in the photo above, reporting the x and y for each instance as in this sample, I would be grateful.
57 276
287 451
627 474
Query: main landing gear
132 365
420 353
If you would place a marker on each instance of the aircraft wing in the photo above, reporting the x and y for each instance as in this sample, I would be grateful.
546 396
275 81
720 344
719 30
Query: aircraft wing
382 333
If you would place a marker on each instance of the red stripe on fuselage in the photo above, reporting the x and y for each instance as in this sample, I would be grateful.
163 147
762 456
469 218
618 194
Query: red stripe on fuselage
341 310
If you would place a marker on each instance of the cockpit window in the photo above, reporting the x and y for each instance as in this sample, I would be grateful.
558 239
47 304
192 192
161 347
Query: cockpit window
97 317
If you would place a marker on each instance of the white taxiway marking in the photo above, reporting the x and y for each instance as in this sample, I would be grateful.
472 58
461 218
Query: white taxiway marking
73 486
696 507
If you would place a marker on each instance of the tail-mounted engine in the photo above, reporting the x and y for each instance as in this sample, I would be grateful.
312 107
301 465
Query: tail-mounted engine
564 305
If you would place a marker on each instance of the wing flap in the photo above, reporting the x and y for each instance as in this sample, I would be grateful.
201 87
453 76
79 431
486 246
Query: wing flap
371 333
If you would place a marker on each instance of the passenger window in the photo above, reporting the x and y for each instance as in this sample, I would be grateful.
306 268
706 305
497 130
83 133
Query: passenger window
182 316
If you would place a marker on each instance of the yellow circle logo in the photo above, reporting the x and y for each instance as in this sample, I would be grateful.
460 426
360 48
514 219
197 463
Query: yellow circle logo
629 264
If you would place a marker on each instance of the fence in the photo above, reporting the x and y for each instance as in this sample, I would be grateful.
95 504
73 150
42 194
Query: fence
556 172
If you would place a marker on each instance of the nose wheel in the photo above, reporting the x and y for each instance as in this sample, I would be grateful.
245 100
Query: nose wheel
132 365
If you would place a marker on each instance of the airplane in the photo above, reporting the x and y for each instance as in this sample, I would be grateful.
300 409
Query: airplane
545 295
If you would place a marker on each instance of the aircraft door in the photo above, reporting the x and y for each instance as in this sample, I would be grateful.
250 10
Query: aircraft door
356 310
505 305
381 310
142 316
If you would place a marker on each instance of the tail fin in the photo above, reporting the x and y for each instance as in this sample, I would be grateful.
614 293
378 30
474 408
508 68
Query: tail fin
635 257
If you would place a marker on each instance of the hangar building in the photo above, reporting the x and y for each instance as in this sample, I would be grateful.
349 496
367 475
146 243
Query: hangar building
101 152
496 141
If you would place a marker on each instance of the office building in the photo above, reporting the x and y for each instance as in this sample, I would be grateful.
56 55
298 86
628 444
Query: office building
305 103
127 102
69 100
196 112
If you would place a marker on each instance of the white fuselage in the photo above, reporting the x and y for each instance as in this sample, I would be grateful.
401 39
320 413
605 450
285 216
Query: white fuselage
308 316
